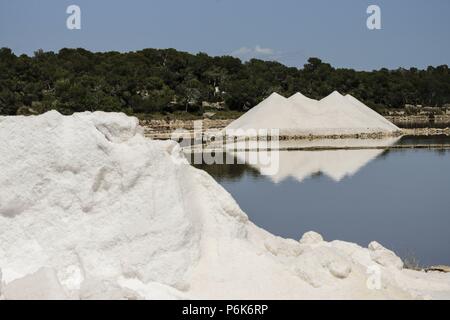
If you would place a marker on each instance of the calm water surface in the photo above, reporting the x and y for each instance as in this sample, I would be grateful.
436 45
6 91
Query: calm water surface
399 197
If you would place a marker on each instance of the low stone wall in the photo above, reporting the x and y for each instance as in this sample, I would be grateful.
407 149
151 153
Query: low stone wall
162 129
426 131
411 125
420 121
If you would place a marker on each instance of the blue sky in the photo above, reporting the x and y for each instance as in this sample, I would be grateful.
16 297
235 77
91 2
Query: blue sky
414 32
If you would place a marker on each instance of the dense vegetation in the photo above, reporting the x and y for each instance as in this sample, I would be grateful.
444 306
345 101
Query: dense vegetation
165 81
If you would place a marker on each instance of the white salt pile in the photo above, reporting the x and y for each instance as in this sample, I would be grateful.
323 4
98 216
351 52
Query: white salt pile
371 113
302 116
89 208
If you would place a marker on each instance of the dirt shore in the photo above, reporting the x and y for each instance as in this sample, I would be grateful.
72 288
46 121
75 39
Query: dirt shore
420 121
426 131
162 129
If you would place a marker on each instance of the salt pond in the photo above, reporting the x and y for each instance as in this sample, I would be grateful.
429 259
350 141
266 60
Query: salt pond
399 197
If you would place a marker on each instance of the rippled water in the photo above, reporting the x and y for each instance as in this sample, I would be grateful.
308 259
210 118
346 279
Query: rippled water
399 197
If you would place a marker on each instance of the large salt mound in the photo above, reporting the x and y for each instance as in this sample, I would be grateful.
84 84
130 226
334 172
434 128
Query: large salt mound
89 208
300 116
275 112
354 110
371 113
308 105
296 116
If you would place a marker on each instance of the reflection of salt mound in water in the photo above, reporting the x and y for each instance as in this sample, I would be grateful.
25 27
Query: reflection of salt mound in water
336 164
300 115
89 208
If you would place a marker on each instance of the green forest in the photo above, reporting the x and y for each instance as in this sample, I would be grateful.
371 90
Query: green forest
166 81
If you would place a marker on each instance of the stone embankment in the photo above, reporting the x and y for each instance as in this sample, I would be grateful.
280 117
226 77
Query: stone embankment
162 129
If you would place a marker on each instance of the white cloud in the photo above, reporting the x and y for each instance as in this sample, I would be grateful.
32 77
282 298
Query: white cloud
257 51
264 51
242 51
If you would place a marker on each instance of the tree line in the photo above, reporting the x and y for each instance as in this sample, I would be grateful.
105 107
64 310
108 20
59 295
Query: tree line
167 80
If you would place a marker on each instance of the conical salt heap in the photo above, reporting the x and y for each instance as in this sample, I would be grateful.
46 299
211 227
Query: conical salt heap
303 116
